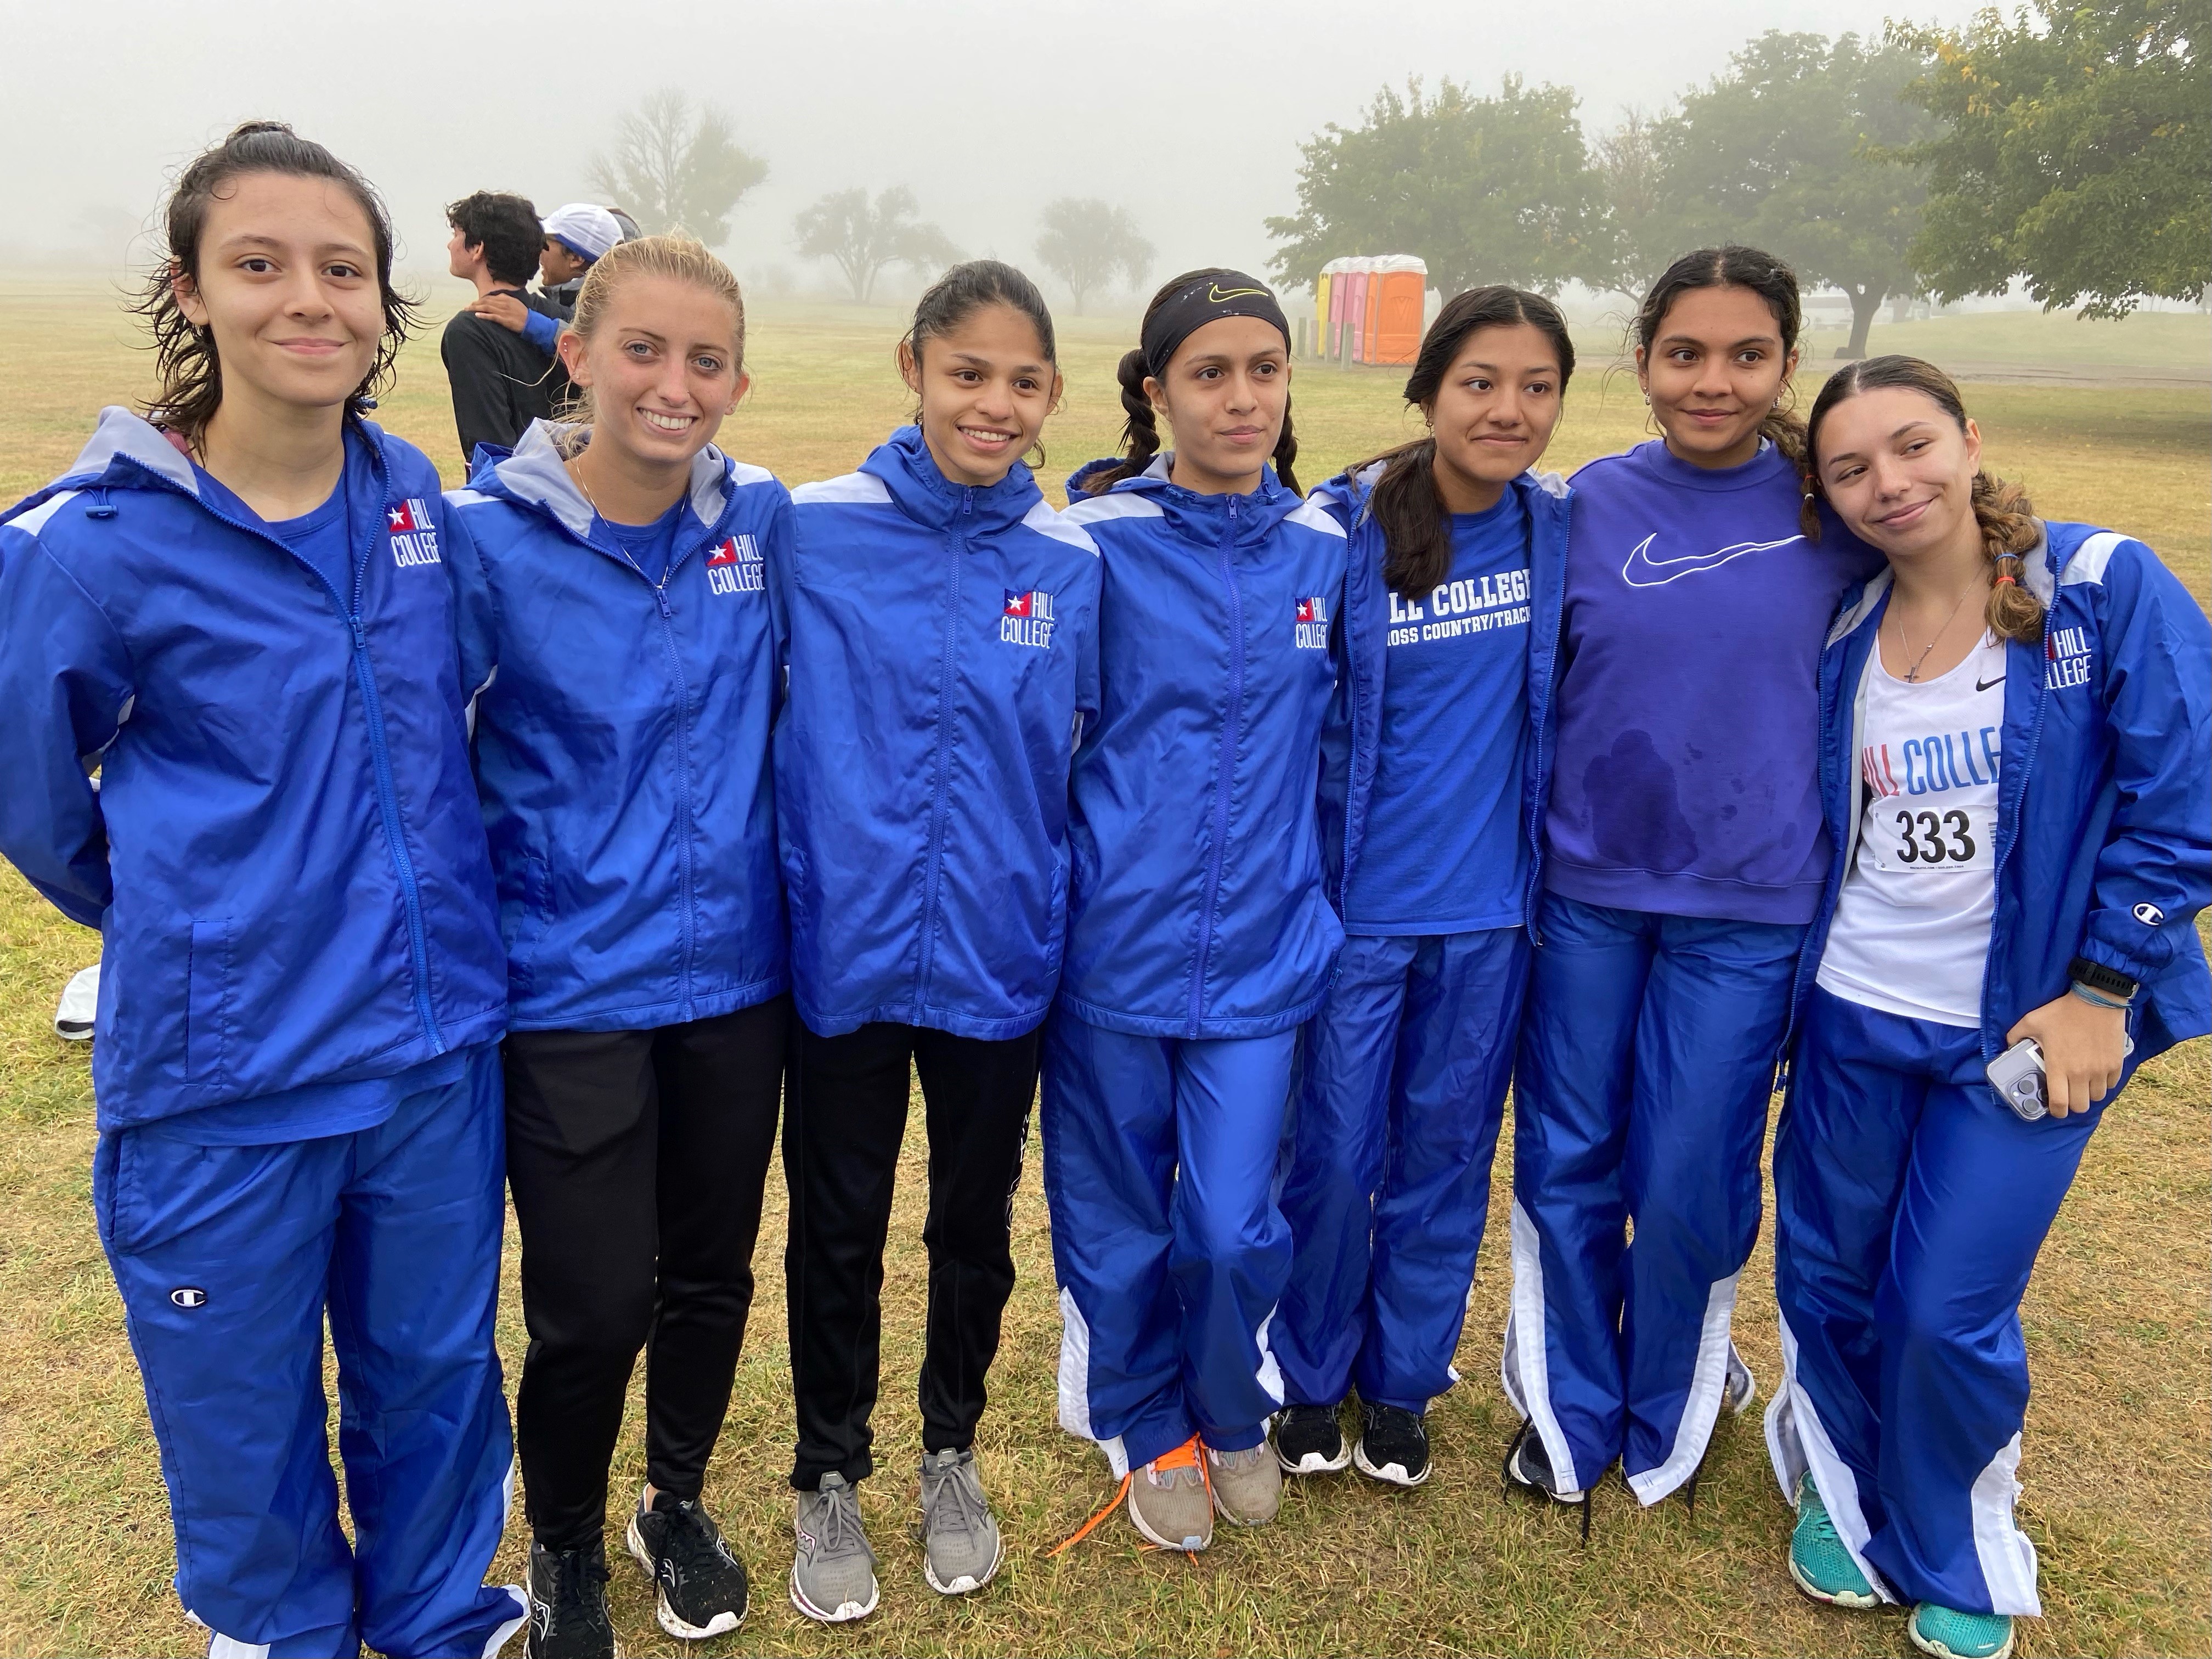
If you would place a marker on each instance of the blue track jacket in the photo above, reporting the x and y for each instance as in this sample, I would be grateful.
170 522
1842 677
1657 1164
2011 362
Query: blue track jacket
944 655
2103 843
284 855
621 741
1200 909
1352 740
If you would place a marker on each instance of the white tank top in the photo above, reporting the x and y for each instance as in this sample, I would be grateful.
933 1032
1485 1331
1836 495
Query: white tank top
1911 929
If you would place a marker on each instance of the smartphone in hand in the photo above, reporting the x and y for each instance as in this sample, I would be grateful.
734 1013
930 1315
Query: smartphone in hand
2017 1076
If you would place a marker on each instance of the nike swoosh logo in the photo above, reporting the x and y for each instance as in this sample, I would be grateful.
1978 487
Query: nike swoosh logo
1642 570
1984 685
1217 294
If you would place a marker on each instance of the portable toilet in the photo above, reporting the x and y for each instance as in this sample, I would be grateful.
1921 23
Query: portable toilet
1398 286
1328 308
1355 307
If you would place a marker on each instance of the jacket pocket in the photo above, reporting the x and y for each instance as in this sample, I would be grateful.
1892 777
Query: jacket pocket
207 1003
526 905
1056 921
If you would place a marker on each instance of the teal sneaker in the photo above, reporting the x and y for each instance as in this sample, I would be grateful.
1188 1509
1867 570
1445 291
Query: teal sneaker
1819 1563
1949 1634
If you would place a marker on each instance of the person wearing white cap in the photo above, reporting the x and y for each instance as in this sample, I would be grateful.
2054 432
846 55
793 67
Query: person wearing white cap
575 236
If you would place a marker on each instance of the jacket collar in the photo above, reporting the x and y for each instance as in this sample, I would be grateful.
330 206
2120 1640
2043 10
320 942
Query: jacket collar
903 465
533 475
1204 518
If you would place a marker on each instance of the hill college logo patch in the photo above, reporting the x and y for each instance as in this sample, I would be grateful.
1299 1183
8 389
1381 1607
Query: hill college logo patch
413 540
734 566
1312 624
1027 619
2067 659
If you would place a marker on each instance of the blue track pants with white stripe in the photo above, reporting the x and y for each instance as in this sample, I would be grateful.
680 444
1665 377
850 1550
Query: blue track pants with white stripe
1909 1203
1401 1085
1647 1060
229 1259
1159 1162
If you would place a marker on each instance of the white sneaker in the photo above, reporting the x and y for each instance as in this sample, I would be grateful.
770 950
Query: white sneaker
80 1005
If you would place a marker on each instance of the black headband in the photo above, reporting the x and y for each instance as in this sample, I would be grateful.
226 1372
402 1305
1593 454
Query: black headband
1201 300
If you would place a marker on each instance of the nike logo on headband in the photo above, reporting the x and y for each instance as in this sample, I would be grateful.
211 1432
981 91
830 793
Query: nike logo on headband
1216 295
1642 570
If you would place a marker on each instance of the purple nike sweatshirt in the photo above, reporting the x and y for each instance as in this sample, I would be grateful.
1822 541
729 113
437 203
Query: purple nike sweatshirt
1685 778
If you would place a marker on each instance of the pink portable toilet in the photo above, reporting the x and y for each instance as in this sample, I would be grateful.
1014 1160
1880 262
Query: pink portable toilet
1328 308
1355 307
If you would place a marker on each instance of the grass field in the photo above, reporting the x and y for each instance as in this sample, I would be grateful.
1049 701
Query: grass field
2118 1463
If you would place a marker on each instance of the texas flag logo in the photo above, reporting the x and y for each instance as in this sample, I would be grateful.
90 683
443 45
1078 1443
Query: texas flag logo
1027 618
734 566
1312 624
414 540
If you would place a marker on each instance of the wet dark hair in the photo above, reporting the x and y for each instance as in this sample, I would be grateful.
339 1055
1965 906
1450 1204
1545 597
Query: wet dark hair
507 230
1141 433
965 289
1416 529
1735 266
185 358
2008 525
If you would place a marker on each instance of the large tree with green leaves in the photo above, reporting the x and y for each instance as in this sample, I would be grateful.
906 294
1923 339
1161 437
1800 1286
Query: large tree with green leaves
2075 152
1792 150
675 167
864 237
1494 189
1645 236
1086 242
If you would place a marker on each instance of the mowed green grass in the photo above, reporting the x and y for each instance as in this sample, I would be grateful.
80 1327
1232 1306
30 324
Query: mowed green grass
2118 1462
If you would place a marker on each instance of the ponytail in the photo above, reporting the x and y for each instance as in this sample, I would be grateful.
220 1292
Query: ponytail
1286 452
2010 530
1140 432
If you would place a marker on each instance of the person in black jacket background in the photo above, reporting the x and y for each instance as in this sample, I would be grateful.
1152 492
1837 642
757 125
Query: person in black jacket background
501 381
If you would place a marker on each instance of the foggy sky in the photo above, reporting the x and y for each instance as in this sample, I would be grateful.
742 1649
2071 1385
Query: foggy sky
1189 114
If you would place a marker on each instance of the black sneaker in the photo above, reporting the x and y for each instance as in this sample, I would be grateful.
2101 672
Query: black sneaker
699 1586
1394 1444
568 1604
1310 1441
1529 1467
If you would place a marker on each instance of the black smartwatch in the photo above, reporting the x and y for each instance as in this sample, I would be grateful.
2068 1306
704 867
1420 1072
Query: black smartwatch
2098 977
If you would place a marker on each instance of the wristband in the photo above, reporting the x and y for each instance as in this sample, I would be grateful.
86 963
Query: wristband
2098 977
2098 998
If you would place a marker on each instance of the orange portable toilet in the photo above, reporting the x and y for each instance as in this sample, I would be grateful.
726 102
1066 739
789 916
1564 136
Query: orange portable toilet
1396 290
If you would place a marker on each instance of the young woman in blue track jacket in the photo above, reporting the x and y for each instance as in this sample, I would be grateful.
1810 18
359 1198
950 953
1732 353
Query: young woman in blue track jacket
2016 719
943 658
1200 935
625 646
233 611
1683 853
1452 616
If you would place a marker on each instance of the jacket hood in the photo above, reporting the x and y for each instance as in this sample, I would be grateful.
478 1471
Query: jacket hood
903 465
1197 516
126 451
532 475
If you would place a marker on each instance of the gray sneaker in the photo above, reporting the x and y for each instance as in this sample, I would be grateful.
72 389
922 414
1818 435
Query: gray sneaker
1248 1485
833 1576
1740 1387
960 1541
1168 1500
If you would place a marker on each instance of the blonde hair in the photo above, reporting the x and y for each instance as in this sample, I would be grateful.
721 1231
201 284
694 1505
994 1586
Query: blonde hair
682 259
2007 519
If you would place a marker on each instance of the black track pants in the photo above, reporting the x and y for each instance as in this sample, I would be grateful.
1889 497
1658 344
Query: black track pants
636 1159
848 1116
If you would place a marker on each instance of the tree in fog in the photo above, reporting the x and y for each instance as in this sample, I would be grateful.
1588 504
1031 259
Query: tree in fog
864 238
1484 190
2077 155
1792 150
1643 240
1086 243
673 168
